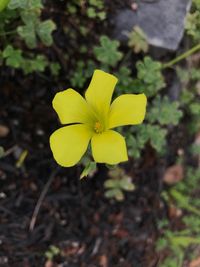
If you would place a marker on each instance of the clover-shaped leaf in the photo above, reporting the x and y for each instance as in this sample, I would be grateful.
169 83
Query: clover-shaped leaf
164 111
27 32
44 31
107 52
25 4
157 137
138 40
13 56
118 183
149 73
39 63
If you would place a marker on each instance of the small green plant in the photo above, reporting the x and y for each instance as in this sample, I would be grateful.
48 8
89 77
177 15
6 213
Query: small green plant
96 9
164 111
150 78
118 184
14 58
137 40
107 53
23 19
183 196
82 73
193 22
52 252
33 27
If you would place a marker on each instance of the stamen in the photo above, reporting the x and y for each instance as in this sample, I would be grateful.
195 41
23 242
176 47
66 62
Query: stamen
98 127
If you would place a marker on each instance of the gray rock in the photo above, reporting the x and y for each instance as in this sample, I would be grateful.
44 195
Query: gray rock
161 20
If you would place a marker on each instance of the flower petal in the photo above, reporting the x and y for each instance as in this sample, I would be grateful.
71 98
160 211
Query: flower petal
127 109
100 90
109 147
71 107
69 143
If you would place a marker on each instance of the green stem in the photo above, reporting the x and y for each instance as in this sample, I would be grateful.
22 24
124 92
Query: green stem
181 57
7 33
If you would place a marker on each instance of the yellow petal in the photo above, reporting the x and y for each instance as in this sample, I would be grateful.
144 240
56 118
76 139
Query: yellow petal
109 147
69 143
71 107
127 109
100 90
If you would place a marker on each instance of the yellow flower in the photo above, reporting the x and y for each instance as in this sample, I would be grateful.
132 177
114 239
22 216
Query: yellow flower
93 118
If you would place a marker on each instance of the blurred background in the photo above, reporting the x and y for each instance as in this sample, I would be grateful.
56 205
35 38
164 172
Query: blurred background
143 213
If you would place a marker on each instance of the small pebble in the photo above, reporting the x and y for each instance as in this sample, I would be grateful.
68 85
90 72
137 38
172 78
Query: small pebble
134 6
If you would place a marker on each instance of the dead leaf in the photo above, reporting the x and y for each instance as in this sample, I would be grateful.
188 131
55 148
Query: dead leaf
4 131
134 6
195 263
174 212
173 174
197 139
103 261
48 263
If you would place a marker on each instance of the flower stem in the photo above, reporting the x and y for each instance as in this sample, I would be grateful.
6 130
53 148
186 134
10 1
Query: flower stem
181 57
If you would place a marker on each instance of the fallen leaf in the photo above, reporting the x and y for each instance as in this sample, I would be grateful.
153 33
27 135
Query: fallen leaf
103 261
4 131
195 263
173 174
174 212
134 6
48 263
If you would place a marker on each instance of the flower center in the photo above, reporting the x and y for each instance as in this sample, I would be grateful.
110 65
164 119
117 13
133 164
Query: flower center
98 127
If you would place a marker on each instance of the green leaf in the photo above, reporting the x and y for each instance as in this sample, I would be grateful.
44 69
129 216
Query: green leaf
39 63
155 134
125 80
111 183
164 111
184 241
89 169
30 16
27 32
25 4
157 137
133 148
149 73
126 184
44 31
115 193
183 201
195 108
138 40
13 56
107 52
1 151
91 12
186 97
3 4
55 68
193 25
82 73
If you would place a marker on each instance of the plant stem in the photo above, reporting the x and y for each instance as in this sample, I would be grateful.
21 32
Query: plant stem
181 57
7 33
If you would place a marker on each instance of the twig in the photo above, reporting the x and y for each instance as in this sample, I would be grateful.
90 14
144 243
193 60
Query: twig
9 151
41 199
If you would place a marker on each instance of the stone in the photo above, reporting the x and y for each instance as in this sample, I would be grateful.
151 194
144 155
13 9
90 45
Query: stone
161 20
